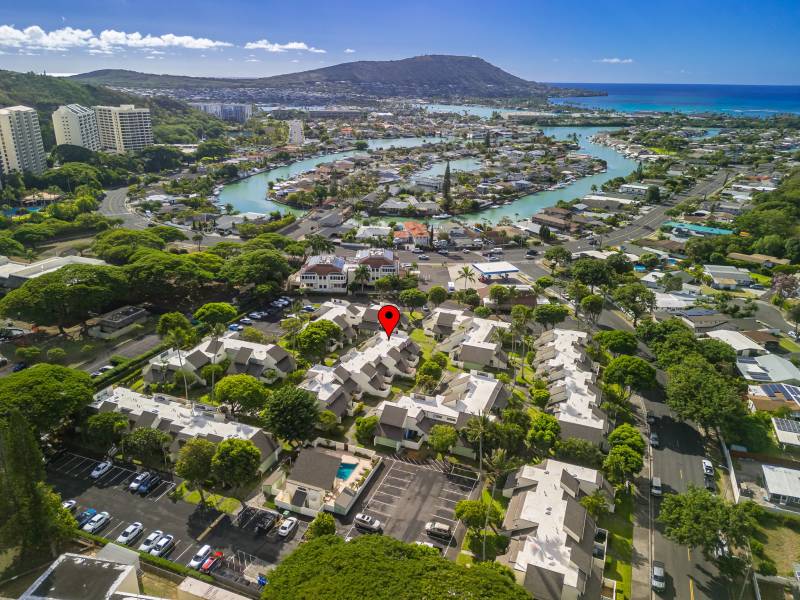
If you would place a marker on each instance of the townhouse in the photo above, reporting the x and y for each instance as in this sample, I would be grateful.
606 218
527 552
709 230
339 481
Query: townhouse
471 342
183 422
266 362
552 536
407 422
571 377
369 369
330 273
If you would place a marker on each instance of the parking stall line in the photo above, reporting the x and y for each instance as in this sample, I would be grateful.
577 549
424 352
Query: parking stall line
71 461
113 529
189 547
389 485
438 516
80 466
166 491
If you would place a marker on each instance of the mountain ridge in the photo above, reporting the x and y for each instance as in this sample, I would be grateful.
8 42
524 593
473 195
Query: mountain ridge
428 75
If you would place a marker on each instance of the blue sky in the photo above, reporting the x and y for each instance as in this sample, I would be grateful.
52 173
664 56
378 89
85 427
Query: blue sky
580 41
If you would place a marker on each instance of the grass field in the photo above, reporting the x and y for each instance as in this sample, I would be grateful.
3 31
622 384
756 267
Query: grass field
219 501
781 540
620 548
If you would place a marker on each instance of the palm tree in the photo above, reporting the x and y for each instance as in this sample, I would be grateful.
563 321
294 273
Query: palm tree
197 237
467 274
319 244
178 339
216 330
362 274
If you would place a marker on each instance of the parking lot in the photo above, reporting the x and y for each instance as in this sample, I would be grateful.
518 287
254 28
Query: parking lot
247 554
412 493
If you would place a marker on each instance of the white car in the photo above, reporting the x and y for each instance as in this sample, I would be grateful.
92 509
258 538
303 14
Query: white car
199 558
132 531
101 469
97 522
150 541
163 545
139 480
246 321
69 505
708 468
287 527
366 523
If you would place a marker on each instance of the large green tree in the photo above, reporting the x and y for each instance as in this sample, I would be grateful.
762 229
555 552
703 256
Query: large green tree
146 444
236 462
314 339
242 393
48 394
636 299
543 433
106 429
118 245
215 313
382 568
630 372
291 414
194 463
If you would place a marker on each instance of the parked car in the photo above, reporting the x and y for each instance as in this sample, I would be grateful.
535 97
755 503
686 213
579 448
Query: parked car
709 483
101 469
654 441
308 308
246 321
256 315
200 557
365 522
212 562
150 541
655 486
266 521
3 361
19 366
141 478
69 505
439 530
97 522
466 251
530 253
658 580
708 468
131 532
417 250
85 516
287 527
151 484
424 257
163 545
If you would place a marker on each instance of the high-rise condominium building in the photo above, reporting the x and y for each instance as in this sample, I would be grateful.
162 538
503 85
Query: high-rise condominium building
76 125
123 128
21 146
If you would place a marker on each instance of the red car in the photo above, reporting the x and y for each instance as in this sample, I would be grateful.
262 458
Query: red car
212 562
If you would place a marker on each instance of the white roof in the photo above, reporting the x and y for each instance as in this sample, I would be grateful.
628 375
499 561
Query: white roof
546 506
782 481
667 301
495 268
39 268
376 348
230 344
616 199
580 402
736 340
768 368
470 393
322 381
194 424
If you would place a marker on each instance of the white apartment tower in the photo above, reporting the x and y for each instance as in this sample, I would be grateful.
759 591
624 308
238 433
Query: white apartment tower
21 146
123 128
76 125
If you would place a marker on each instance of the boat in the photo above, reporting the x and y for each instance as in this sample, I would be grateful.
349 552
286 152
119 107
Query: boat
442 216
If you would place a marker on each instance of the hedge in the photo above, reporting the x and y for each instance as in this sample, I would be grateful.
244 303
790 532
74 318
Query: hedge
157 561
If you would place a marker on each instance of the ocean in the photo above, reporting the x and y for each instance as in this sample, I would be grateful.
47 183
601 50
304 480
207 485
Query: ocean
742 100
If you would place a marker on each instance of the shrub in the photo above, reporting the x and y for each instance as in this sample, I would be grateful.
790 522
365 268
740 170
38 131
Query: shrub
56 355
767 567
87 348
365 429
757 548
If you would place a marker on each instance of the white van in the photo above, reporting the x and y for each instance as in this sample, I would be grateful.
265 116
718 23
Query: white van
655 486
451 287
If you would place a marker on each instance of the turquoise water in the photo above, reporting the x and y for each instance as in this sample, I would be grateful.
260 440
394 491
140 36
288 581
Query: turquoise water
738 100
700 228
484 112
249 194
345 470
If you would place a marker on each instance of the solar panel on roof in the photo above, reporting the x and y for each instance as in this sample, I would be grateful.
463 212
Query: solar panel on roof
747 360
787 425
756 376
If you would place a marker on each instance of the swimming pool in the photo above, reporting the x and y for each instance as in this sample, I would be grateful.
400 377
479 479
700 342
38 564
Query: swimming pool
345 470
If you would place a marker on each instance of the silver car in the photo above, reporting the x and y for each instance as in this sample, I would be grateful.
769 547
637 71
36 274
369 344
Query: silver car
150 541
163 545
131 532
97 522
199 558
658 580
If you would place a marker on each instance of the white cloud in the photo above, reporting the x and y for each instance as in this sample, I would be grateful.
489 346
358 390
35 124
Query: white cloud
349 51
614 61
272 47
36 38
252 60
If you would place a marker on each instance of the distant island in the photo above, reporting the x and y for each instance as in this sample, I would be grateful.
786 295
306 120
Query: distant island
430 77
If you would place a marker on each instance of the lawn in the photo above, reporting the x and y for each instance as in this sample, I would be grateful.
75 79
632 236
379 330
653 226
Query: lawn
789 345
425 343
780 536
764 280
620 548
496 544
219 501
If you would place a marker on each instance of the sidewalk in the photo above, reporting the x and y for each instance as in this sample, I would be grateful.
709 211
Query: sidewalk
640 558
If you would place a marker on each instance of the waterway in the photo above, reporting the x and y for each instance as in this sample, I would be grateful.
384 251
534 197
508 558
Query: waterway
249 195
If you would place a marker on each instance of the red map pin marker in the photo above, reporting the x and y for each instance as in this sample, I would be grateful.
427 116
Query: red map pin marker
389 317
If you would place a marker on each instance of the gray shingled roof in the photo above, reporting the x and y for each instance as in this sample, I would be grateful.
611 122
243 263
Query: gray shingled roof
315 468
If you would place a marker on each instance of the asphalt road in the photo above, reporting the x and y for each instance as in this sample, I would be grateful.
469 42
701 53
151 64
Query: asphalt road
114 205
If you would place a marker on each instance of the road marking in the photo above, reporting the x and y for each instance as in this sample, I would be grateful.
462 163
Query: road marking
164 493
438 516
384 484
448 500
680 472
689 553
177 558
691 588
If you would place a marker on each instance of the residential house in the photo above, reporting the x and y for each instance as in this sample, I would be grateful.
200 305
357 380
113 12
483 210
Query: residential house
571 377
369 369
773 397
552 535
407 422
769 368
380 261
413 235
118 322
725 277
473 343
703 320
742 344
762 260
183 422
266 362
322 273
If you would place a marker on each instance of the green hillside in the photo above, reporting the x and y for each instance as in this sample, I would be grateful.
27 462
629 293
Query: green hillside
173 121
